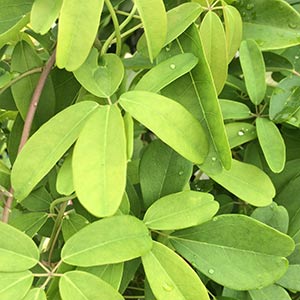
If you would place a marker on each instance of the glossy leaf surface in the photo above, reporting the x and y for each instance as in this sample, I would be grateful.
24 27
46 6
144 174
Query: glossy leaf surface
109 240
234 110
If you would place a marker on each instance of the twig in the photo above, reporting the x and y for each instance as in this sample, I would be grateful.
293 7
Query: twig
28 123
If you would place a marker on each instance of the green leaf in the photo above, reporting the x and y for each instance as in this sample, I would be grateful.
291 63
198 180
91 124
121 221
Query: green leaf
112 274
284 101
247 182
43 14
214 44
17 251
234 110
153 111
274 24
73 46
254 70
15 285
38 200
108 241
181 210
233 30
196 92
101 79
239 133
274 216
291 279
172 172
167 71
256 249
35 294
272 144
154 19
12 11
276 63
29 223
270 292
24 58
170 277
180 18
129 131
71 224
64 181
47 146
77 285
98 164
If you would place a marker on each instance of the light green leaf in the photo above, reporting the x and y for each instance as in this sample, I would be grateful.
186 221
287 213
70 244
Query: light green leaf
291 279
172 172
15 285
111 240
112 274
12 11
64 181
239 133
78 25
29 223
154 19
254 70
129 131
270 292
98 162
256 249
35 294
43 14
272 144
196 92
71 224
181 210
273 215
170 277
167 71
233 30
101 78
169 121
17 251
214 44
274 24
77 285
247 182
234 110
47 146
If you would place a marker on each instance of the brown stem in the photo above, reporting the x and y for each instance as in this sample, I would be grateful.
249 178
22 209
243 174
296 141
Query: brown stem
28 123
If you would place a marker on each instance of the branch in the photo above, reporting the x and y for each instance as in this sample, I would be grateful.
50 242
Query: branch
28 123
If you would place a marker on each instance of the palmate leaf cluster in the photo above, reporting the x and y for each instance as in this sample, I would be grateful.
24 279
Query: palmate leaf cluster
163 155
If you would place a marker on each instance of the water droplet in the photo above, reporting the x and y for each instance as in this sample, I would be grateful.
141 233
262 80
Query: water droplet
292 25
215 219
296 57
35 104
168 287
294 119
211 271
213 158
241 132
167 49
172 66
180 173
67 217
249 6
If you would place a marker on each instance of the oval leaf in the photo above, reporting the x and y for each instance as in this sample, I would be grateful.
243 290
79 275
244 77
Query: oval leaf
170 277
17 251
77 285
234 110
169 121
15 285
241 239
270 292
164 73
272 144
73 46
172 172
98 163
181 210
154 19
104 79
35 294
107 241
47 146
214 44
254 70
64 180
247 182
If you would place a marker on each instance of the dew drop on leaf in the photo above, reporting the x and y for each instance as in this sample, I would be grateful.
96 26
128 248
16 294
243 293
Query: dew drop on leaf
172 66
211 271
180 173
294 119
241 132
168 287
213 158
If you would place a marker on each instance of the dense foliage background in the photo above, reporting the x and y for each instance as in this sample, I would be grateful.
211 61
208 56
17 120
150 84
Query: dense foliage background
150 149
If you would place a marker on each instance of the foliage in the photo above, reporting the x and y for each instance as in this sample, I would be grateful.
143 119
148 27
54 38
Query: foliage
150 149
